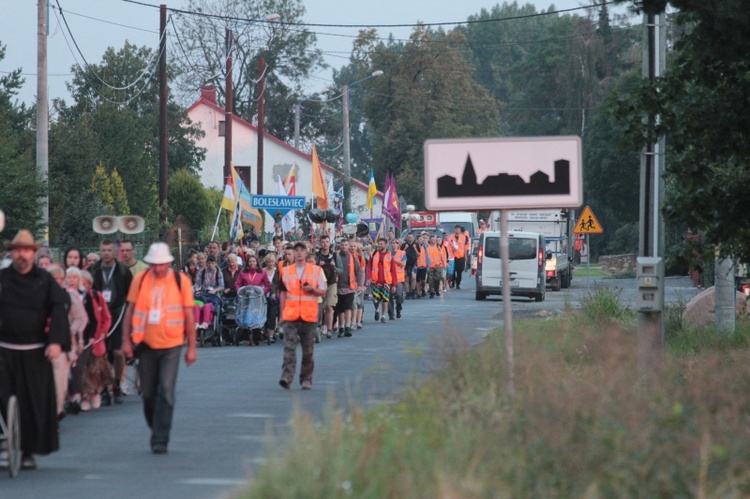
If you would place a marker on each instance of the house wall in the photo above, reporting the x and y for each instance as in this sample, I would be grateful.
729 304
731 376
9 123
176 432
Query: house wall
278 160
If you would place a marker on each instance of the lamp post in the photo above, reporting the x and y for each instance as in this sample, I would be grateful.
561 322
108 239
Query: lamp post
298 115
347 159
228 97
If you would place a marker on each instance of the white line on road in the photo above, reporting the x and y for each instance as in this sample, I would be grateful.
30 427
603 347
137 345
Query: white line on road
213 481
252 415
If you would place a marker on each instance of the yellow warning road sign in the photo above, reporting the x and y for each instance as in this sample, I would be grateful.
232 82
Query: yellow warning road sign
588 224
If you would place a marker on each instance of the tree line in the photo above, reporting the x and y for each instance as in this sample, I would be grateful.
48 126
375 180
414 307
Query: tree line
513 71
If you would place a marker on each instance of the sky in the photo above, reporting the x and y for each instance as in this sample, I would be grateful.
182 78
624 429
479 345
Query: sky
18 30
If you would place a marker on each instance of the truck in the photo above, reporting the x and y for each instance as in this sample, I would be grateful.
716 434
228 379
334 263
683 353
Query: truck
556 225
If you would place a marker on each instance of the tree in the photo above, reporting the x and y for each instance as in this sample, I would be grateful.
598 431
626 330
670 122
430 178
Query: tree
21 185
426 91
702 107
109 189
187 197
118 129
288 50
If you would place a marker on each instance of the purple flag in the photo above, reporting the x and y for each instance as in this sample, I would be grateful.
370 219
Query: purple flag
391 207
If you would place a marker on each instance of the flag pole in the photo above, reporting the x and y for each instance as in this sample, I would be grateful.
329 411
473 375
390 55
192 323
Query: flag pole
216 225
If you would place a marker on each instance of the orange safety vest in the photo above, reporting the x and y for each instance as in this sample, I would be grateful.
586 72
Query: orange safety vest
400 271
173 331
446 254
300 306
352 274
459 252
436 256
386 260
422 257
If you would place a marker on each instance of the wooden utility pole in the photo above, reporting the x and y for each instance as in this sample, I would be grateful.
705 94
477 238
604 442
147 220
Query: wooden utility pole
261 119
228 108
42 110
163 124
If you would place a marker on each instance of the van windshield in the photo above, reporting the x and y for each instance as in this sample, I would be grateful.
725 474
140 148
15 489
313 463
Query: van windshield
450 227
519 248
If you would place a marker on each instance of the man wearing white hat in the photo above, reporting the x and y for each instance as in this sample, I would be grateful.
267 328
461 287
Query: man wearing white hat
158 319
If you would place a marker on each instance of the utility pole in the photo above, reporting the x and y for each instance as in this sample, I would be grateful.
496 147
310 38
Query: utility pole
297 118
261 119
163 129
228 107
725 296
42 110
651 230
346 205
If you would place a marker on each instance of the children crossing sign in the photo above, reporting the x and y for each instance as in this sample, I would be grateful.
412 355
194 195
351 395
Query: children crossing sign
587 223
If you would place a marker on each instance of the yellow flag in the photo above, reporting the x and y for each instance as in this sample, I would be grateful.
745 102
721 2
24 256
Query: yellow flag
319 185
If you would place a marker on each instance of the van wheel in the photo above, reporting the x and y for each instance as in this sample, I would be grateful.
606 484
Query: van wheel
566 280
556 284
539 296
481 296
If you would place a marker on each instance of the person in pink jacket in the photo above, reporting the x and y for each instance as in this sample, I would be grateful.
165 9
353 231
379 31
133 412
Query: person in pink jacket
252 275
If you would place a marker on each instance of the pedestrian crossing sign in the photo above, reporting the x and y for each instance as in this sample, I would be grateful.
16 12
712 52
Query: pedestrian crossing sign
587 223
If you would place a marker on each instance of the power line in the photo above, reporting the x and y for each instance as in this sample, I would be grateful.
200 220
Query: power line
106 21
88 66
404 25
84 74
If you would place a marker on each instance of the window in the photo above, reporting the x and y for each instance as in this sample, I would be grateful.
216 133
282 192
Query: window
222 128
518 248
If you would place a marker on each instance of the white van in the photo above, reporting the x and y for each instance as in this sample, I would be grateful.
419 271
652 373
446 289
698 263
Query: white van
466 219
527 259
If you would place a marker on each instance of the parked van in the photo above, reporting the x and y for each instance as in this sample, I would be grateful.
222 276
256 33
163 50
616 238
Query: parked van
465 219
527 259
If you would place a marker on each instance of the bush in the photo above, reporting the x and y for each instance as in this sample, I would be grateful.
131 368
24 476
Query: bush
603 306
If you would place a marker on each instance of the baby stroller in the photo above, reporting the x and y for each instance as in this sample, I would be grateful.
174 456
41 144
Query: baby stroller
250 315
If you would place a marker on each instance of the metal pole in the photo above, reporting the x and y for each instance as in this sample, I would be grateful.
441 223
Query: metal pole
228 106
179 243
42 110
261 119
163 131
725 314
651 240
297 117
346 205
507 309
588 263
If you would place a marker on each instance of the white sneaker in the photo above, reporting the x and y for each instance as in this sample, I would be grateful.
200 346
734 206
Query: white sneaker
125 388
96 401
197 325
85 406
204 325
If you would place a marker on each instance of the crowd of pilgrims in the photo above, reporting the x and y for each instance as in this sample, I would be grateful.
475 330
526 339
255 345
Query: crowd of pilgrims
385 271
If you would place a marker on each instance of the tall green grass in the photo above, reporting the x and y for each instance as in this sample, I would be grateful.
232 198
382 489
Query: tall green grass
581 424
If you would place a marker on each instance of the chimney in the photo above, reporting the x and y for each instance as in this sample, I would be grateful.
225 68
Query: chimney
208 92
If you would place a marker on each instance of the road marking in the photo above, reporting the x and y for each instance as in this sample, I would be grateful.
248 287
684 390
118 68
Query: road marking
213 481
252 415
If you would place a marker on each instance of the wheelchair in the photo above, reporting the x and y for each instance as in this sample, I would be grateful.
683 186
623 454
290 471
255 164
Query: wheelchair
10 437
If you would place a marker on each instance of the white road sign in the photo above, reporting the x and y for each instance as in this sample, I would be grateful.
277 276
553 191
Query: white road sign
503 173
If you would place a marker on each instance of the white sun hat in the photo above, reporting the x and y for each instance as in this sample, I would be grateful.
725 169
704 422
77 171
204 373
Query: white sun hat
158 253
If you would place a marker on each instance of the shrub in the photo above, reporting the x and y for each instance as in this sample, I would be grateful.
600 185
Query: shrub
581 424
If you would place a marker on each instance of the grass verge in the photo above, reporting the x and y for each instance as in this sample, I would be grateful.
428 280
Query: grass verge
581 424
580 271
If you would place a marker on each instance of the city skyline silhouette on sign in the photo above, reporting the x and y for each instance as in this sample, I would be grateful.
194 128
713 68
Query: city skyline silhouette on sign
505 184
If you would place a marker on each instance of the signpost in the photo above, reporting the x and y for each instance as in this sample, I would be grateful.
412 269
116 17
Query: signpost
505 173
588 224
277 206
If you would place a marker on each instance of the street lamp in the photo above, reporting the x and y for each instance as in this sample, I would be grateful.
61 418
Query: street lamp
347 160
228 100
298 114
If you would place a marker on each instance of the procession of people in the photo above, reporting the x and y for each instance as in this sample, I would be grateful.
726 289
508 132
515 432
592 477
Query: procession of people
87 330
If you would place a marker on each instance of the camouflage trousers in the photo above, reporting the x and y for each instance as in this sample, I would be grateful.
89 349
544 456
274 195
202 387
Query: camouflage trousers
434 278
298 332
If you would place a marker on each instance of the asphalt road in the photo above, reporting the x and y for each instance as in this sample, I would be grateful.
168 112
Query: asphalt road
231 411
